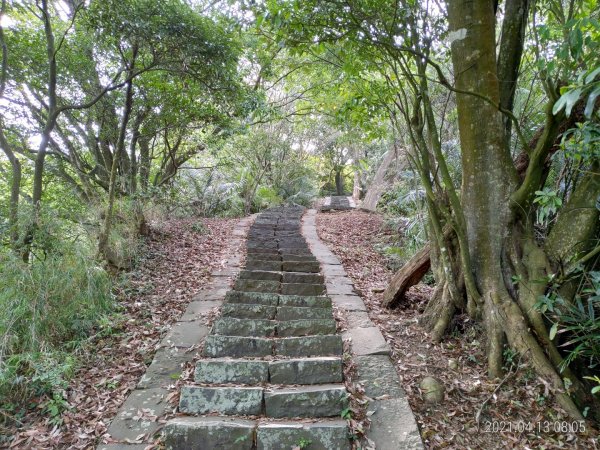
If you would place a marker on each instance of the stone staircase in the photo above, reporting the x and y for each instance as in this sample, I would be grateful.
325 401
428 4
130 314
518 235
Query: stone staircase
271 372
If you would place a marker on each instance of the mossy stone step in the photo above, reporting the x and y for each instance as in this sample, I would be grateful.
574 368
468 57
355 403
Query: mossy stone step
238 371
260 275
324 345
247 311
260 264
300 312
305 327
302 289
306 371
306 401
311 301
300 266
195 433
252 298
230 326
322 435
302 277
257 286
222 400
216 346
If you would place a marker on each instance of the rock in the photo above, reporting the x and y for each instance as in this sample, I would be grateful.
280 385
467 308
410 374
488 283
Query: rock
185 433
222 400
306 371
433 390
323 435
325 400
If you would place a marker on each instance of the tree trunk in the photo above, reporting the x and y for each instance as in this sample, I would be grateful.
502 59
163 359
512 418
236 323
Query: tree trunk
339 181
103 241
489 179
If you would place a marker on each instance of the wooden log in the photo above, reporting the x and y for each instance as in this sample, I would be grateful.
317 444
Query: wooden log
409 275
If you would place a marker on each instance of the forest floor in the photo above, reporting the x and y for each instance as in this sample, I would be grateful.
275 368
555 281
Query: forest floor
178 258
477 413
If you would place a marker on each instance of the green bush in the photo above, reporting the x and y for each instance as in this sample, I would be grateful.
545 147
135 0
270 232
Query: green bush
46 308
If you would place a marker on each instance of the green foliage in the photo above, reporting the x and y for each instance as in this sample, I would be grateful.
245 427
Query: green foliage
582 143
548 202
576 322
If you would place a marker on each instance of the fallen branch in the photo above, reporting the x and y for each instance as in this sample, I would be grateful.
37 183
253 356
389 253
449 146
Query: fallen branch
409 275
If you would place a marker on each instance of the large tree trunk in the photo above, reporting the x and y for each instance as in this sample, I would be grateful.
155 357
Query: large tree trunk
489 179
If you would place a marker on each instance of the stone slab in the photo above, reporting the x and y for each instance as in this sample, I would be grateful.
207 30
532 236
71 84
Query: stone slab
302 289
358 319
222 400
327 345
216 346
210 295
186 433
239 371
128 425
196 309
263 265
260 275
257 286
302 277
367 341
306 371
252 298
305 301
378 376
299 312
230 326
306 401
165 368
305 327
393 425
185 334
301 266
323 435
348 302
339 289
242 311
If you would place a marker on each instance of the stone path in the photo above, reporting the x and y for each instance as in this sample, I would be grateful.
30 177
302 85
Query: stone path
272 361
270 371
337 203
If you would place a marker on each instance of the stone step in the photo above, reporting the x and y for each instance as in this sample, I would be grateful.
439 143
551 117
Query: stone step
216 346
257 286
295 251
230 326
259 264
263 257
305 327
263 275
300 266
324 345
306 371
301 277
300 312
307 401
254 298
322 435
196 433
245 401
301 289
246 311
237 371
260 243
305 301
